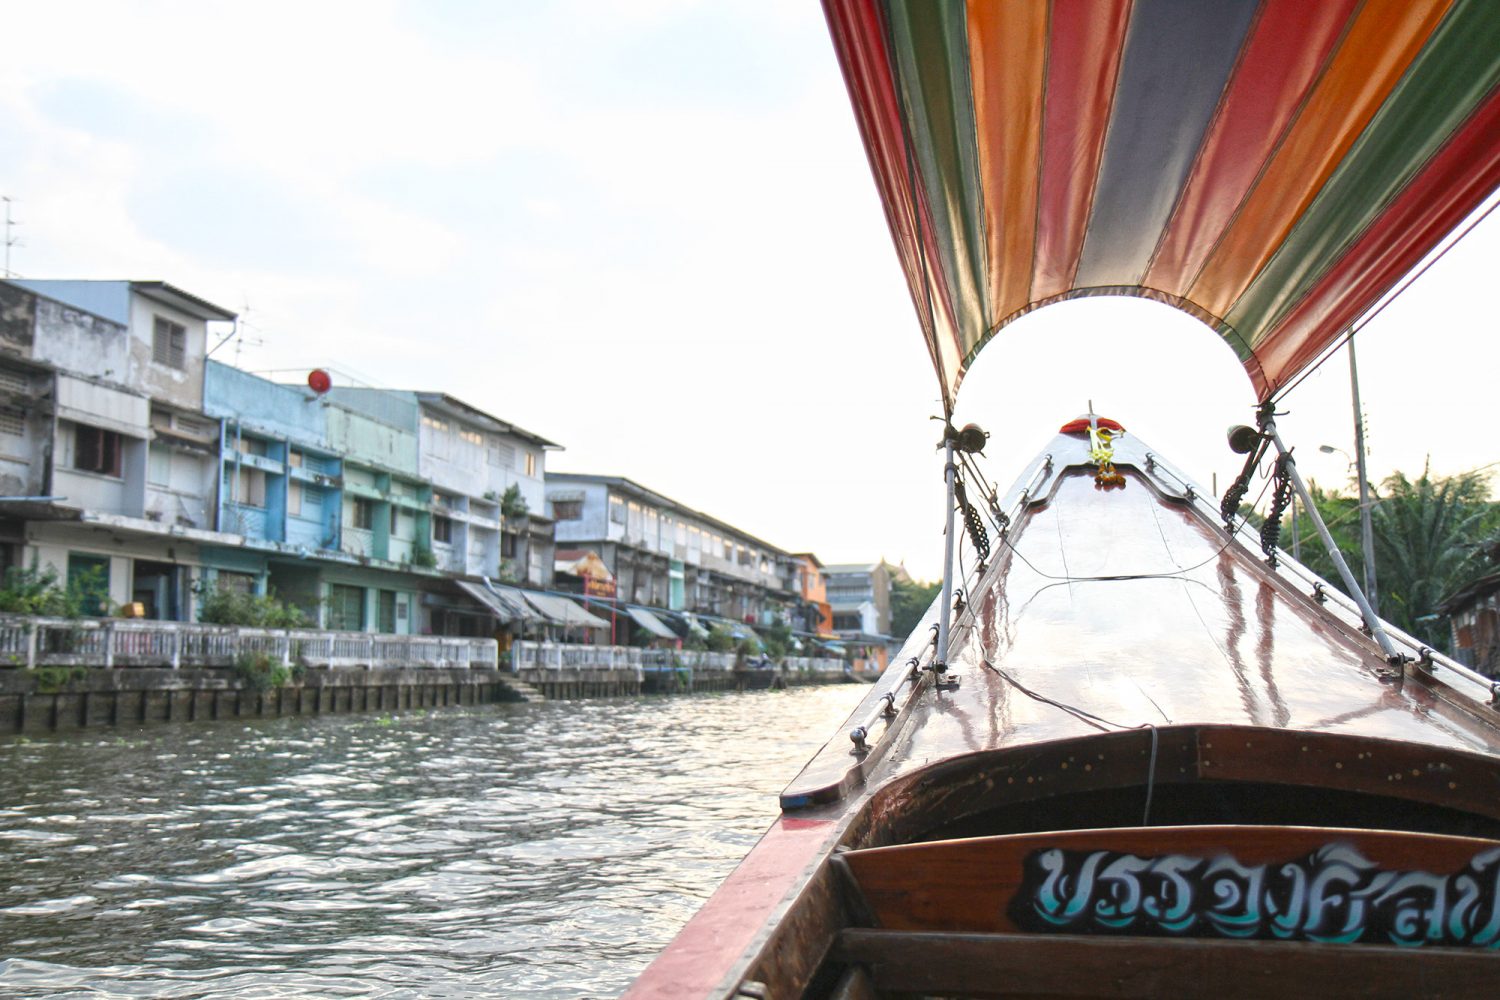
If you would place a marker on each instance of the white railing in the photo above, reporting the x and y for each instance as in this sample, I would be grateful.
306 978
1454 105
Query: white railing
815 664
93 642
528 655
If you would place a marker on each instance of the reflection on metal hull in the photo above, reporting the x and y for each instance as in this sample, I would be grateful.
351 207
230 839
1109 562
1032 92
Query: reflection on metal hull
1124 664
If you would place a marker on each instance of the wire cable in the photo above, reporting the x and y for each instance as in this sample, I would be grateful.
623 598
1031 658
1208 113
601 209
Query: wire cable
1367 318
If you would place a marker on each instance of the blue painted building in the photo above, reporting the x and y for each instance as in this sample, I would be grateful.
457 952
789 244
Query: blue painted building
324 501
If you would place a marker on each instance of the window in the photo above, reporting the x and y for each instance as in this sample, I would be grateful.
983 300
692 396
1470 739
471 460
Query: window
442 529
193 428
385 620
294 498
89 577
159 465
294 458
530 464
169 344
96 450
567 510
507 545
252 487
473 437
346 608
395 518
12 422
364 514
501 454
234 583
617 510
434 423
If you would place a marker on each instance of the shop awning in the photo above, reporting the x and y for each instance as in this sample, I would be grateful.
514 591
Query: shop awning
505 603
694 625
648 621
562 611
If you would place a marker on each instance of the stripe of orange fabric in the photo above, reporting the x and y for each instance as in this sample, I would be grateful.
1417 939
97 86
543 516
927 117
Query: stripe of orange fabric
1452 185
1381 43
1007 60
1086 41
1440 91
1291 44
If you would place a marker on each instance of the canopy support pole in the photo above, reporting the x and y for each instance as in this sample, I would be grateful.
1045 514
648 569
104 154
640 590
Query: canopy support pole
1372 622
945 601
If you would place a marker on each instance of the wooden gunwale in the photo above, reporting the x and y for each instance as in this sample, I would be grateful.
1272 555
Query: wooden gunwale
1033 965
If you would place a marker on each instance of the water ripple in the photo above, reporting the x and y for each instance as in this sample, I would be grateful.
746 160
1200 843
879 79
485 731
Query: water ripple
541 851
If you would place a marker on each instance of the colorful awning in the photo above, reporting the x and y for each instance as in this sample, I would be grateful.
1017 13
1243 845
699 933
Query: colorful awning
1272 167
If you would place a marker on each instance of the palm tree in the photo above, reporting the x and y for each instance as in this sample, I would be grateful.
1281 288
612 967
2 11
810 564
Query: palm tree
1429 538
1427 544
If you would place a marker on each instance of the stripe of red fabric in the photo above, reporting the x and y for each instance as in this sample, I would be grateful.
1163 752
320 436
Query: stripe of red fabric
1083 60
859 38
1452 184
1291 44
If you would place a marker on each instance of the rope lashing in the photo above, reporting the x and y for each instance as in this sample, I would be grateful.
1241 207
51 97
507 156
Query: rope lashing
978 534
1281 499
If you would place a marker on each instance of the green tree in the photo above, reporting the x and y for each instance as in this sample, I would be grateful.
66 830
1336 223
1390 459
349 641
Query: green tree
512 504
910 600
777 639
230 607
1427 545
39 591
1428 534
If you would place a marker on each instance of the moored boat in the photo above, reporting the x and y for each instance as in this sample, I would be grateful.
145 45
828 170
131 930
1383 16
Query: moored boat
1135 749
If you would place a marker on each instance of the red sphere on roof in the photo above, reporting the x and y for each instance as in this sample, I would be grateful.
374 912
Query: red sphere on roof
319 381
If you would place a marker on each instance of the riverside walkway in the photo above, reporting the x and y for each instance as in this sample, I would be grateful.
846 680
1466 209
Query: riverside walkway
74 673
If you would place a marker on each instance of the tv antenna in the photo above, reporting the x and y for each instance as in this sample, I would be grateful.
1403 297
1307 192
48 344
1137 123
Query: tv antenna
11 240
237 334
240 327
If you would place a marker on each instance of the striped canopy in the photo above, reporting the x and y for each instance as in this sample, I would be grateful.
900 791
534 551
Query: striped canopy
1272 167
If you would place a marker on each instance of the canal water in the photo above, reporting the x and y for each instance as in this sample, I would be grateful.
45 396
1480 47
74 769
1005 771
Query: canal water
538 850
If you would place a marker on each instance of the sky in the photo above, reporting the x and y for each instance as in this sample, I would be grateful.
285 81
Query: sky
644 230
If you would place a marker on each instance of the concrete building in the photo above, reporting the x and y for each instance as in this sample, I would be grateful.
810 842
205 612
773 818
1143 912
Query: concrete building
859 595
101 385
1474 617
812 585
664 554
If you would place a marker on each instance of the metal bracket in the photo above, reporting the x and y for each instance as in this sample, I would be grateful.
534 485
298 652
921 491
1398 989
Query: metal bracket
857 736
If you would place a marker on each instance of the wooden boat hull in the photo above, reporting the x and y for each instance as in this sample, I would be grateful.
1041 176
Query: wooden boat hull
1166 685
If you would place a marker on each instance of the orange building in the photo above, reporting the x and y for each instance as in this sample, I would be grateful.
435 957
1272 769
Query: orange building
812 585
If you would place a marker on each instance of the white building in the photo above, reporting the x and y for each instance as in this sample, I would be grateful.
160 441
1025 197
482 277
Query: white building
667 555
104 382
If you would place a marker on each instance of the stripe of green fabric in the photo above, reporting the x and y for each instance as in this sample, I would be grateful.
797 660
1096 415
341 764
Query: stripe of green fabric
931 53
1450 76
